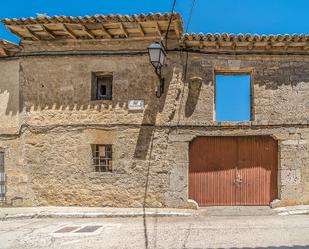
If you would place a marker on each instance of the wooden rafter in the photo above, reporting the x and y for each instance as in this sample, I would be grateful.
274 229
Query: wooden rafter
251 45
287 44
13 31
123 30
218 44
88 32
68 31
140 28
3 52
105 31
33 34
48 31
158 29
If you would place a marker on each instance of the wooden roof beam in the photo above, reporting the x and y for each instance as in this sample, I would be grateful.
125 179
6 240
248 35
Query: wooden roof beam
140 28
33 34
68 31
48 31
123 30
106 32
14 32
218 44
88 32
157 27
3 52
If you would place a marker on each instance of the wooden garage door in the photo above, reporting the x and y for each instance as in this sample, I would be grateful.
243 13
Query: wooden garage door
233 170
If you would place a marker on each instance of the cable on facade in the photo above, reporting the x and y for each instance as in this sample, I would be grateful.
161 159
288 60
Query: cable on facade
190 15
169 23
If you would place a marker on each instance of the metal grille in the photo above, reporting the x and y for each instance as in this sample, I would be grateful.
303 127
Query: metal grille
102 158
2 178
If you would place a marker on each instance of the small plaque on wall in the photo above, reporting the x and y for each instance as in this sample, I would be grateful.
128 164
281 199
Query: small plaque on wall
136 104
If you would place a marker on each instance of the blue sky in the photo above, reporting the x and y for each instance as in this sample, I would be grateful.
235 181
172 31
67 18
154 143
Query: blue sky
233 98
231 16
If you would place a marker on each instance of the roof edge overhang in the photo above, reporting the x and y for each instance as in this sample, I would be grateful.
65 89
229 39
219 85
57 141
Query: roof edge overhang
245 42
45 28
8 48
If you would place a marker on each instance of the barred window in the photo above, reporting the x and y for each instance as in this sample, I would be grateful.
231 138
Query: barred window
102 157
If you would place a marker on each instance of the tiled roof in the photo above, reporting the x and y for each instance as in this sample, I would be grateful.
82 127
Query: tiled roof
149 26
94 27
245 41
7 48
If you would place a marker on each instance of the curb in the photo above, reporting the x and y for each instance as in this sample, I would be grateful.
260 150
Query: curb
294 212
42 215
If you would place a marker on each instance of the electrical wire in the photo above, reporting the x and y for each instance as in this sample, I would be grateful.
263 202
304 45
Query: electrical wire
169 23
190 15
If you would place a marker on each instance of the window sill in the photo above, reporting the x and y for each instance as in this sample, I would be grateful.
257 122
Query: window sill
104 174
233 123
99 101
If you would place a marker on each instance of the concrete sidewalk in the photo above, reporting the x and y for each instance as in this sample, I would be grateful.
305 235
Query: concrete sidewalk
89 212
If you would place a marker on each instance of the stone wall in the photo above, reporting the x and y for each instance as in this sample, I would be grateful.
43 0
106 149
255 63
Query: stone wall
49 159
9 96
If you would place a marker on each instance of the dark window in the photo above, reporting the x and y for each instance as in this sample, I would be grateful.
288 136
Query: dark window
102 86
2 177
233 98
102 157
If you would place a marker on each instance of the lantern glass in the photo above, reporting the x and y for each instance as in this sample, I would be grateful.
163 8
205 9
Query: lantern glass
156 55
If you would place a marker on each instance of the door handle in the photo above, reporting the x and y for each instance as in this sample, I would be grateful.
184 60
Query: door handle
238 178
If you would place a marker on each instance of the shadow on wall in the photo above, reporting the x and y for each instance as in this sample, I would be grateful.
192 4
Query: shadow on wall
8 103
193 95
154 107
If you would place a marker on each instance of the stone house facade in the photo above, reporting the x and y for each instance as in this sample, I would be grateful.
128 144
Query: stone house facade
54 128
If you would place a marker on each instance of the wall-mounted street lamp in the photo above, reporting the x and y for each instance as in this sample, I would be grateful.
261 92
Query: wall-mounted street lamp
157 56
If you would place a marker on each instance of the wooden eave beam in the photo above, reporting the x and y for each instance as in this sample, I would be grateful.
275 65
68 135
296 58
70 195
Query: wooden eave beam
157 27
33 34
14 32
123 30
140 28
68 31
88 32
218 44
48 31
251 45
105 31
3 52
287 45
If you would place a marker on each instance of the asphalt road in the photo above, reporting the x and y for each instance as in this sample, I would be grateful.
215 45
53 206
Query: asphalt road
178 232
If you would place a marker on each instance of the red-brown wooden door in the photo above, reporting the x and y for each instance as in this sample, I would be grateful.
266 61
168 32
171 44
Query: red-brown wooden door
233 170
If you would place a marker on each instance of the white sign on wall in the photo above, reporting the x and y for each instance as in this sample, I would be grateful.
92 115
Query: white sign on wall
136 104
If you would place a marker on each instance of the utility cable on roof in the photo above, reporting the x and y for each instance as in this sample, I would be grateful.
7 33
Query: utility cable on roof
190 15
169 23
